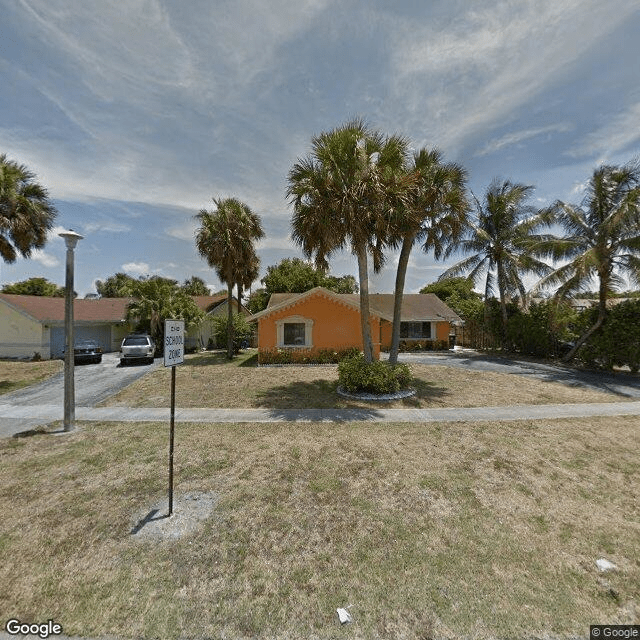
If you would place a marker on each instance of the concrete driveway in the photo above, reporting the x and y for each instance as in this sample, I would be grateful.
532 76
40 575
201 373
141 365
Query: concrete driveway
93 384
622 384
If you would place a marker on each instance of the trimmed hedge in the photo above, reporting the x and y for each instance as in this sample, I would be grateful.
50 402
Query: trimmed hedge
305 356
357 376
423 345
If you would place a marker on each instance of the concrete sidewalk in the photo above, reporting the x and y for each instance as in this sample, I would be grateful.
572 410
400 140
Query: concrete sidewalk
14 418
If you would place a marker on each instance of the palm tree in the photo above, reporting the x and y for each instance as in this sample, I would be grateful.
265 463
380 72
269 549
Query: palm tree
434 214
225 239
247 274
26 213
340 196
602 239
500 240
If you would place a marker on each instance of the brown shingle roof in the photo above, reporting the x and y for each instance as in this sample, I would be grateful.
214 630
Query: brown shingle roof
51 310
415 306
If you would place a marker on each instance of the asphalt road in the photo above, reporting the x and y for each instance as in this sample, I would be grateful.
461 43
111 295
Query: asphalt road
93 383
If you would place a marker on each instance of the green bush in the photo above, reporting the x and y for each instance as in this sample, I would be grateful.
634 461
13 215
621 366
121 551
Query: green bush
357 376
242 331
617 342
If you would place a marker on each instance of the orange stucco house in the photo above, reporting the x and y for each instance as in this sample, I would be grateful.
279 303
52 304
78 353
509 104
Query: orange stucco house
322 319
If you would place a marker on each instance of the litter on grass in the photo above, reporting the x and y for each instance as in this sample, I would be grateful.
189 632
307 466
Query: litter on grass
344 616
605 565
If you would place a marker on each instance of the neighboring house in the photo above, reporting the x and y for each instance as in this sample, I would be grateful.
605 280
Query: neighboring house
322 319
35 324
203 336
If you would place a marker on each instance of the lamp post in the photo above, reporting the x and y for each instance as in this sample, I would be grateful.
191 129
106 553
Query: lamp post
71 239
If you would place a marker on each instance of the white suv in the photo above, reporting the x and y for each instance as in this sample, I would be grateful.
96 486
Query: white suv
137 346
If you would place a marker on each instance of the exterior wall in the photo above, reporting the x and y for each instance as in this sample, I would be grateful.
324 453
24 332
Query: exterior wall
442 330
334 325
21 336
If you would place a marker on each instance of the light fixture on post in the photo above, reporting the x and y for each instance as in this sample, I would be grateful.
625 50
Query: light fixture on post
71 239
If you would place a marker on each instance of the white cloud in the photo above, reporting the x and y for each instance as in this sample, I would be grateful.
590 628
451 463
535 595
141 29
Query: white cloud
612 137
105 227
517 137
45 259
473 72
137 268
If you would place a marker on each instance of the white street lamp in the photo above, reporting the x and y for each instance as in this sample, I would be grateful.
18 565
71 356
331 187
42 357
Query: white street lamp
71 239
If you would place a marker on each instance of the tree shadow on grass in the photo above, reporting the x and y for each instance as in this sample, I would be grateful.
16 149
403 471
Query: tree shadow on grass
322 394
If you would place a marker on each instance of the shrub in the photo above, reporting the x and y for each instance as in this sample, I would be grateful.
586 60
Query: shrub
242 331
305 356
355 375
617 342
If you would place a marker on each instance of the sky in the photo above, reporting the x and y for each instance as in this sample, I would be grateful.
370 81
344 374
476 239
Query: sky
134 114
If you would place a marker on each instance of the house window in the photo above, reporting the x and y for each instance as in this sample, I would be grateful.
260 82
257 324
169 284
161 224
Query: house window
415 330
294 334
295 331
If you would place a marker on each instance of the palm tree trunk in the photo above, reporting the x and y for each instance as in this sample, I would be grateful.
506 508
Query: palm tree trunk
503 305
367 342
230 319
602 314
401 273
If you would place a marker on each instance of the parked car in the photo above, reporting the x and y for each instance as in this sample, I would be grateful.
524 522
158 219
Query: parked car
137 346
87 352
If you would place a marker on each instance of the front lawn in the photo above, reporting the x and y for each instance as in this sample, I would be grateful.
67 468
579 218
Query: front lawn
16 374
210 380
487 530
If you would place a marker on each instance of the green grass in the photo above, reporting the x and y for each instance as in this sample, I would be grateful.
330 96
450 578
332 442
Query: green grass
446 530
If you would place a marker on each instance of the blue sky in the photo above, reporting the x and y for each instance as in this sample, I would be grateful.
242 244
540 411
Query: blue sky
135 113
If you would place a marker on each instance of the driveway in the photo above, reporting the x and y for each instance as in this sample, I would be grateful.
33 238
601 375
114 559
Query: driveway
622 384
93 384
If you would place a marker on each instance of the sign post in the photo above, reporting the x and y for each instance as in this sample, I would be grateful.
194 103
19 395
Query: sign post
173 355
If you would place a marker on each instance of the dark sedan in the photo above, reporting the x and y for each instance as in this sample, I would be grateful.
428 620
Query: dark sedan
87 352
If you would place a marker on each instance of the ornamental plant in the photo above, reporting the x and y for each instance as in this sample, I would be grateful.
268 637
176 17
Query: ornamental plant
358 376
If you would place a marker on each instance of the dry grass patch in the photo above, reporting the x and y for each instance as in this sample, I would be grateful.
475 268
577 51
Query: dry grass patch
15 374
209 380
447 530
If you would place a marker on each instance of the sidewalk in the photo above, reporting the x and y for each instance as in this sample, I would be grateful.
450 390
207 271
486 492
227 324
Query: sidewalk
15 419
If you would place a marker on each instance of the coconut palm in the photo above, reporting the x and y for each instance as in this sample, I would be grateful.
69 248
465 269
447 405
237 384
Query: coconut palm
26 213
602 239
225 239
500 240
340 196
434 214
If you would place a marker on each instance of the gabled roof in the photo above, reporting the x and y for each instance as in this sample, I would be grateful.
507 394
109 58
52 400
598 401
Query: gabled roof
415 306
209 303
51 310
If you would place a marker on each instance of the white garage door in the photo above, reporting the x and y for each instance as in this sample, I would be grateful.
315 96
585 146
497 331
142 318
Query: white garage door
101 333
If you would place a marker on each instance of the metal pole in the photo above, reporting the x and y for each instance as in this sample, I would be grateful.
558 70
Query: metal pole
69 381
172 422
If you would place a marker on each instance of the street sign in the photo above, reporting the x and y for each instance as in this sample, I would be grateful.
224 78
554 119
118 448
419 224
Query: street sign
173 355
173 342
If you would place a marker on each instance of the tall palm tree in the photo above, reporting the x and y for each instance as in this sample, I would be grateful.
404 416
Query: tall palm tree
225 239
247 274
500 240
434 214
340 198
26 213
602 239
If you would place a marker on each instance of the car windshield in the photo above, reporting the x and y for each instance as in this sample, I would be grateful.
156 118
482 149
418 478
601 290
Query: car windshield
86 344
135 341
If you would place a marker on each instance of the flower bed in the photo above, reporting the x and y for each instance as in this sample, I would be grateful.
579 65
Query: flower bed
305 356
